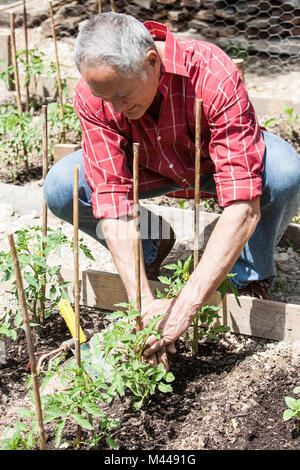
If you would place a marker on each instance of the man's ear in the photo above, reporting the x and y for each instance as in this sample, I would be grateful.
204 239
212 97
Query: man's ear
153 59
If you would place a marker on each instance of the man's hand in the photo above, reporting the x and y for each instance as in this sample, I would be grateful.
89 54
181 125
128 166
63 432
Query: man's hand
173 325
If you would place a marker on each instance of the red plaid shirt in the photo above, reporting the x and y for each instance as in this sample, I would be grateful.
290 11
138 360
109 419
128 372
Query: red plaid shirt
232 145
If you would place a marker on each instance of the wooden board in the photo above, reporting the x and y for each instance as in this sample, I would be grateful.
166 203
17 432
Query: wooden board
259 318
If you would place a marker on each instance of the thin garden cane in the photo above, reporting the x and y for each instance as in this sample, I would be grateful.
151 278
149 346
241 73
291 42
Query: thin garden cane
17 78
136 148
112 5
99 7
35 384
196 205
59 84
76 283
44 207
76 267
26 52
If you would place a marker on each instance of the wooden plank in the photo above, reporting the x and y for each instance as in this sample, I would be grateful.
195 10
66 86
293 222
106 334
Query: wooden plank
62 150
260 318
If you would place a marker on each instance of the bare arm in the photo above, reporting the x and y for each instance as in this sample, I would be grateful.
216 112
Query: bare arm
233 230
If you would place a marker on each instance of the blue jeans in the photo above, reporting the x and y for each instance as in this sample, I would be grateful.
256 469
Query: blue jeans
279 202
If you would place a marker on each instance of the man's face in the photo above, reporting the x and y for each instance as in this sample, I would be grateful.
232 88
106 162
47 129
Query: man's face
132 96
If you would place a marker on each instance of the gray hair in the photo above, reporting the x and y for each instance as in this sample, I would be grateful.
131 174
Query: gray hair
115 39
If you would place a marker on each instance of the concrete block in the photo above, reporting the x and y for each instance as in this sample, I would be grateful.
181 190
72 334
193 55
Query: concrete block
62 150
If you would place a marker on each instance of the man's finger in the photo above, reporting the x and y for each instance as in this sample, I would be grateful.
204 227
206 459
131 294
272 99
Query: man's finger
163 358
171 348
153 345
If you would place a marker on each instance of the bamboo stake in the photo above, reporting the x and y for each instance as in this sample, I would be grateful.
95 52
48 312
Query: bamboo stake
76 284
112 5
59 85
35 384
26 51
17 79
197 203
99 7
76 266
15 63
136 148
44 207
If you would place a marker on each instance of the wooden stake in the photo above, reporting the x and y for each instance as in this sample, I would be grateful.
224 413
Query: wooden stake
76 266
197 203
136 148
197 179
76 284
16 77
99 7
35 384
44 207
59 85
15 63
112 5
26 51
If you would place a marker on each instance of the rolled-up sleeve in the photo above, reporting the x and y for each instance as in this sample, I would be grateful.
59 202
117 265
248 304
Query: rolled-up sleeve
105 162
237 146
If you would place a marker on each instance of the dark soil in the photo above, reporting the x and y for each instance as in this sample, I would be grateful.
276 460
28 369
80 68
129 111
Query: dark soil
223 399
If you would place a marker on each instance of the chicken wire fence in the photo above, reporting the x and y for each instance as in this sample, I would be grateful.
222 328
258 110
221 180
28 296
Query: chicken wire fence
266 34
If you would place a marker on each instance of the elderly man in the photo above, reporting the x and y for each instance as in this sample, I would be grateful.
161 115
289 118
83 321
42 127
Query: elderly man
139 84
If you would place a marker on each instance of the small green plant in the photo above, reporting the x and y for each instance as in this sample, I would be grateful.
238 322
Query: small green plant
6 330
23 437
70 123
269 122
78 392
33 251
20 136
181 202
207 313
123 350
293 408
292 118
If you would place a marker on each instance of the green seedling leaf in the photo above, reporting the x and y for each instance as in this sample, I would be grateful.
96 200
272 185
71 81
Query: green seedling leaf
165 388
84 423
291 403
288 414
111 443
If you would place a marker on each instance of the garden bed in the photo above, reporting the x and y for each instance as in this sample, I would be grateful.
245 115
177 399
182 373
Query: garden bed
231 396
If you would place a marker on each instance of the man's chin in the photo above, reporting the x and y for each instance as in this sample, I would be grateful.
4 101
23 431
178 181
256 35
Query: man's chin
135 114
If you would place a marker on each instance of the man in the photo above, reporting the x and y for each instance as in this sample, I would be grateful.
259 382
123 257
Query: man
139 84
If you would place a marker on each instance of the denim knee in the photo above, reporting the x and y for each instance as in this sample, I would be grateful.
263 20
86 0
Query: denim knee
58 195
282 168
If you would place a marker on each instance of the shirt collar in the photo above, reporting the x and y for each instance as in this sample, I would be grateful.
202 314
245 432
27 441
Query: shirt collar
173 59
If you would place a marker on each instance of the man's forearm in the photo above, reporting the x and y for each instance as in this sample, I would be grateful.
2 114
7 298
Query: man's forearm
233 230
119 236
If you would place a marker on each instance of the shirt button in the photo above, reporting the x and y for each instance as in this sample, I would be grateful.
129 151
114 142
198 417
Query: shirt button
184 180
171 166
159 138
